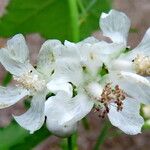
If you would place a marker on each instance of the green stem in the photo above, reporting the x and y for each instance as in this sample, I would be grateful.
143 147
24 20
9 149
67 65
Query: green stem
69 139
102 136
74 18
85 123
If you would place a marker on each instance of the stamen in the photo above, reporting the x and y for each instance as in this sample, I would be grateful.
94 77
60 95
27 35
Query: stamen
142 65
110 95
30 81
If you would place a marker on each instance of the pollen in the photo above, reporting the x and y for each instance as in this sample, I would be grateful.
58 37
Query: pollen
142 65
30 81
111 95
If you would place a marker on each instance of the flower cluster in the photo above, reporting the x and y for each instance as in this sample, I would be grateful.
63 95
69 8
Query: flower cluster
72 73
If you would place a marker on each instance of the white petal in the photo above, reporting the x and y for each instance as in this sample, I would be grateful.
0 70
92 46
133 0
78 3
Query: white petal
11 95
69 69
69 50
60 84
129 119
17 48
115 25
60 130
33 119
65 110
142 49
90 57
82 106
134 85
108 52
47 56
90 40
144 46
121 65
94 89
13 66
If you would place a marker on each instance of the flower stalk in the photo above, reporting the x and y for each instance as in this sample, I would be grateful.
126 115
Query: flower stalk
74 18
69 141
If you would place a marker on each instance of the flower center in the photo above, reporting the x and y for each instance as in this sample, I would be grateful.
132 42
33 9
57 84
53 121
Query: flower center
142 65
31 81
110 95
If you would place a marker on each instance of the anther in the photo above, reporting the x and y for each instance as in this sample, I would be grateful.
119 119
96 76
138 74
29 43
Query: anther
111 95
142 65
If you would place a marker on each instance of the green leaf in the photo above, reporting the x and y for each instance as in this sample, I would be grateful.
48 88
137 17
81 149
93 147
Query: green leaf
13 137
52 18
89 21
32 140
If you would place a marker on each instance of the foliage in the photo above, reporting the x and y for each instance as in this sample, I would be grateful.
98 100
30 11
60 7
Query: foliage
51 18
14 137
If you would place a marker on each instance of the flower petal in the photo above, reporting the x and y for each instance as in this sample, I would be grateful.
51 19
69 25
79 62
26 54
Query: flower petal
47 56
69 50
142 49
69 69
65 110
17 48
90 40
115 25
60 130
60 84
13 66
33 119
134 85
108 52
121 65
129 119
81 107
144 46
11 95
89 57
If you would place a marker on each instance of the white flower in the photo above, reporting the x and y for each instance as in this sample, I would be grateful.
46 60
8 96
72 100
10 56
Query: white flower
116 25
81 72
134 64
30 81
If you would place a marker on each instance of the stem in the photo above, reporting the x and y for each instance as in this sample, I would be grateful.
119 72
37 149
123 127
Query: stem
69 139
102 136
85 123
74 20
